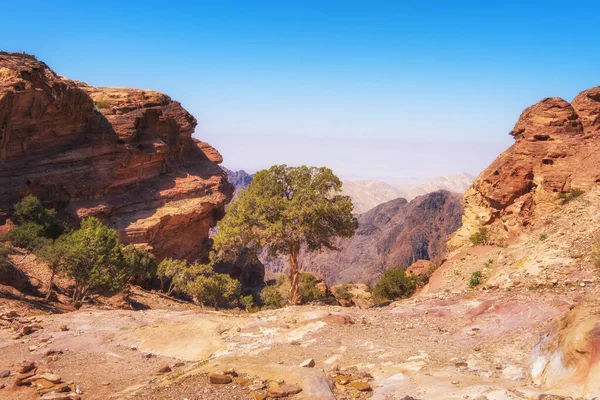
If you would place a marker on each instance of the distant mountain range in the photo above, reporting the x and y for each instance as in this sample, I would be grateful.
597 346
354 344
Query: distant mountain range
366 194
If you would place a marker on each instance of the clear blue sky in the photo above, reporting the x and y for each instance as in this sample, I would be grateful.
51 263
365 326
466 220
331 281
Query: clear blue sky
376 89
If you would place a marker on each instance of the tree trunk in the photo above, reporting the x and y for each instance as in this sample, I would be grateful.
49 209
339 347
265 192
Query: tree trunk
49 293
294 275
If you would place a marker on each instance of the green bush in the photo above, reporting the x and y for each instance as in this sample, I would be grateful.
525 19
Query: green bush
4 262
543 237
216 290
138 262
570 195
170 271
480 237
475 279
247 302
308 288
271 297
31 210
28 235
394 284
93 259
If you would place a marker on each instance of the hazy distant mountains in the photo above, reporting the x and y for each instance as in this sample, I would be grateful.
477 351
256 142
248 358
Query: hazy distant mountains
367 194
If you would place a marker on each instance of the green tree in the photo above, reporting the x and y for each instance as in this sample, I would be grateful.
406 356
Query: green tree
4 262
93 259
54 255
283 209
170 270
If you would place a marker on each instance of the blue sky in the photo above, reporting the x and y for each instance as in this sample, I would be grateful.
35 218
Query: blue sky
375 89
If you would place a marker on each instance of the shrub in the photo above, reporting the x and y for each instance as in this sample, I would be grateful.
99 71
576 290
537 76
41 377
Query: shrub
247 302
93 259
271 297
29 235
4 262
480 237
570 195
308 289
543 237
138 262
394 284
170 270
31 210
216 290
475 279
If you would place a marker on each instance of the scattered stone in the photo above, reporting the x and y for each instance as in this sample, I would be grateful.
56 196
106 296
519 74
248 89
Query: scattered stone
461 364
257 386
105 383
276 391
64 328
219 378
2 386
362 386
231 372
259 396
25 366
346 303
164 370
178 364
243 381
310 363
290 388
51 377
42 383
147 355
455 382
4 374
26 330
33 348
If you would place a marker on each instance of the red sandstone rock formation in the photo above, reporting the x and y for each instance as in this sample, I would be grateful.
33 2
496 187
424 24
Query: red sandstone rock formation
124 155
555 151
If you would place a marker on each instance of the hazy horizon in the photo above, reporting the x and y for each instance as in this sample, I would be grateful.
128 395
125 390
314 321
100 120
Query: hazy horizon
375 90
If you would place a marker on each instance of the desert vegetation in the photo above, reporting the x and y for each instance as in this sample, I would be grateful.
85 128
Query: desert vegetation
283 210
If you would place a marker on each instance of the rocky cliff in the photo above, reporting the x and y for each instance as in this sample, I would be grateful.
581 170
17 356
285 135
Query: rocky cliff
395 233
555 155
126 156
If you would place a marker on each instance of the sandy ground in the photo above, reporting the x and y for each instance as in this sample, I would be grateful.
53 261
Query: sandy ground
449 346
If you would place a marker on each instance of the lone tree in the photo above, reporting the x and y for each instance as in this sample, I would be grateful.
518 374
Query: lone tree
283 209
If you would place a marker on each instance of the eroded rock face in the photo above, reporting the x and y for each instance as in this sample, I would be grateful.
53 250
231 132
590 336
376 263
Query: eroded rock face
555 151
123 155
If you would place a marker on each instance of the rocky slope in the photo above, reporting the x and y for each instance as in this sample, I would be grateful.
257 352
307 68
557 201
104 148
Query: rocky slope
367 194
395 233
555 153
124 155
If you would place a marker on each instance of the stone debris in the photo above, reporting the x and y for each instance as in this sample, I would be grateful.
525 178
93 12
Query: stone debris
310 363
219 378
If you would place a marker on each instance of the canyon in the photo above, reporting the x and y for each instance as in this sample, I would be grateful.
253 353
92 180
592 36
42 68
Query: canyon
511 312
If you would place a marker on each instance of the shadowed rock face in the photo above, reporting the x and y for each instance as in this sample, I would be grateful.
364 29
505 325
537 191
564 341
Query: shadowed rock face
396 233
555 151
123 155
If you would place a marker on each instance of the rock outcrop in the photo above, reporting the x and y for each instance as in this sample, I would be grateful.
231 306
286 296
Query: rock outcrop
554 155
126 156
396 233
239 179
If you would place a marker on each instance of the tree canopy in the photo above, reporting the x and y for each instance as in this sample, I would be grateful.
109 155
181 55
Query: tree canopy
283 209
